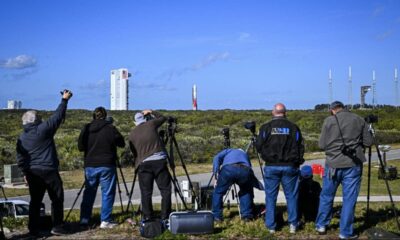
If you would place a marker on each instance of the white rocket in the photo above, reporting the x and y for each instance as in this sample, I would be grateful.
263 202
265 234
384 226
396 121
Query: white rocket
194 97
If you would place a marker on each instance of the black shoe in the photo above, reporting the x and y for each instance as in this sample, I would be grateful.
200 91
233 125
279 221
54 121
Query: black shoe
59 231
217 220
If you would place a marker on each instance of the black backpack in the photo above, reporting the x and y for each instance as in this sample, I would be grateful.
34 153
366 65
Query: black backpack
151 228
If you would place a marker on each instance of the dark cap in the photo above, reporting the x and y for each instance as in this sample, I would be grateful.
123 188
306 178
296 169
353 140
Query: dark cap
336 104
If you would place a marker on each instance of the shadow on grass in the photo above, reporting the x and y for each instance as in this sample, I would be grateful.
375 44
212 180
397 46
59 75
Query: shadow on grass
376 216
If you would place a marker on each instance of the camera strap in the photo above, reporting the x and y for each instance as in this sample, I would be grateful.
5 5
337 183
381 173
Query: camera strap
340 131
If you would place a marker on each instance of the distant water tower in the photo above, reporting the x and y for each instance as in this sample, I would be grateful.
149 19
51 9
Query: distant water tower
194 97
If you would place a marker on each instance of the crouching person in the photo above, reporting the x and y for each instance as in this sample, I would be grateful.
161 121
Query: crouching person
99 140
232 166
309 191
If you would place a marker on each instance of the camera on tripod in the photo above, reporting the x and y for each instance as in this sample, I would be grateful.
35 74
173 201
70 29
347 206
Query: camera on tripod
227 140
225 132
371 118
251 125
172 120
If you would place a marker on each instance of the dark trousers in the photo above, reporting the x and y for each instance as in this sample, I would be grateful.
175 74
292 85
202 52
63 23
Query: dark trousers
158 171
39 181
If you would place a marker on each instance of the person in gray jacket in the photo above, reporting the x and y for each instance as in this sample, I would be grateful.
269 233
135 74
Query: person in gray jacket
343 137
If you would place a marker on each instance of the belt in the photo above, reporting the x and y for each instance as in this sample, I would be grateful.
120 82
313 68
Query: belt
239 165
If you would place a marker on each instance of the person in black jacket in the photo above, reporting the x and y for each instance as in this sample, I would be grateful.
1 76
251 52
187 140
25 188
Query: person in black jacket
37 158
281 146
99 141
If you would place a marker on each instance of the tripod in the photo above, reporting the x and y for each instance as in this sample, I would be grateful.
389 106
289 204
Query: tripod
1 215
382 165
252 144
131 194
173 144
118 186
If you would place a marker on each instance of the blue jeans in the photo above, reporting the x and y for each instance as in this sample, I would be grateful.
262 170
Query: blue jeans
231 174
288 176
106 177
350 178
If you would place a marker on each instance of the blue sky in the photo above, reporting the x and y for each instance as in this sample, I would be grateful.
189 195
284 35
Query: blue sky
240 54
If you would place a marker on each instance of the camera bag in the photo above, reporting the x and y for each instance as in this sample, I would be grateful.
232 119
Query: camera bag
388 173
199 222
151 228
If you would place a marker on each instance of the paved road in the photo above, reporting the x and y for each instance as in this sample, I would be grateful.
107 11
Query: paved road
70 195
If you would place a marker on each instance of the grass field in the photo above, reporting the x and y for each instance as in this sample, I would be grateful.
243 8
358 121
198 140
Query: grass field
231 228
74 179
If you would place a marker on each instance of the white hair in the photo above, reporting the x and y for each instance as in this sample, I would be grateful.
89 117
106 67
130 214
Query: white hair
29 117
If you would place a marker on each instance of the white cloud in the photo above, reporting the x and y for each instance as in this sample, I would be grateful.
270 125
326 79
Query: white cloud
153 86
378 11
243 36
18 62
95 85
209 60
385 35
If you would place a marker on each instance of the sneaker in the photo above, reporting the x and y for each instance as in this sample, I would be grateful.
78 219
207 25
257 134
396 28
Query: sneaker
165 223
355 236
217 220
320 230
59 231
292 229
271 231
107 225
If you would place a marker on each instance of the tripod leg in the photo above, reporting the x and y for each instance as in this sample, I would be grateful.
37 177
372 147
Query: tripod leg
123 181
186 172
369 182
237 200
4 194
375 142
131 192
119 192
73 204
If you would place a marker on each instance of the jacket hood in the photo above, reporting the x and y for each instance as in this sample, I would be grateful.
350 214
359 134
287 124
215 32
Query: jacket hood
96 125
28 127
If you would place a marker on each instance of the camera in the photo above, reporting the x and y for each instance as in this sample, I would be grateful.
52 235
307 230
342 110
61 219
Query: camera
110 120
250 125
172 120
225 132
227 141
351 153
371 118
149 117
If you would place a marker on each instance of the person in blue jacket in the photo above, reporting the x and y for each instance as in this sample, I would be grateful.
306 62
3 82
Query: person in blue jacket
37 159
232 166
